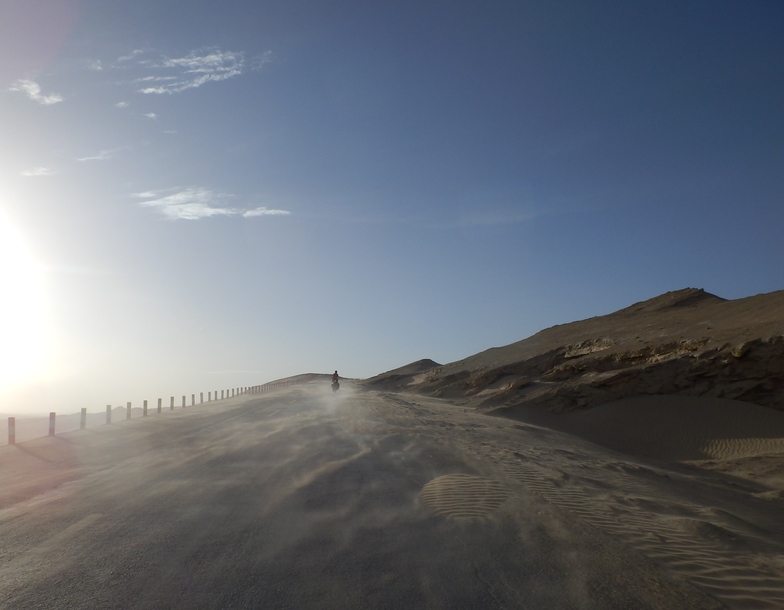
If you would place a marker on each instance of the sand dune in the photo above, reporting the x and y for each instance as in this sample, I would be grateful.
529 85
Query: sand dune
660 425
737 438
720 532
677 428
686 342
683 377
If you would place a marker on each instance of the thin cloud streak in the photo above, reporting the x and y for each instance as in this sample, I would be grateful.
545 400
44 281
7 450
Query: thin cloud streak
33 91
189 204
101 156
264 212
169 75
198 203
130 55
178 74
38 171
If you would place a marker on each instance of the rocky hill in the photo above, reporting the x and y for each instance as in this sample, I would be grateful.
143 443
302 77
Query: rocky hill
686 342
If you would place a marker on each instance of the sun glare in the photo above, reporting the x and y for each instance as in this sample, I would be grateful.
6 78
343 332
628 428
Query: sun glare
23 320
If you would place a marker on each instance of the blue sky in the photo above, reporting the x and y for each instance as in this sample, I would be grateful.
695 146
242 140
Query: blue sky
203 195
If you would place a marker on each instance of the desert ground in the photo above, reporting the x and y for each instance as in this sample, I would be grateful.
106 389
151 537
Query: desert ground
301 498
633 460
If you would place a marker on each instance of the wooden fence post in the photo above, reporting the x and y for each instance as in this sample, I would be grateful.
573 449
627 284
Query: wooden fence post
159 404
128 410
193 400
144 409
11 430
171 404
52 415
201 397
183 402
83 421
108 414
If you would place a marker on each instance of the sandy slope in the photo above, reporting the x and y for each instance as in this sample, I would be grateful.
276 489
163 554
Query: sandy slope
721 532
683 377
685 395
737 438
304 498
685 342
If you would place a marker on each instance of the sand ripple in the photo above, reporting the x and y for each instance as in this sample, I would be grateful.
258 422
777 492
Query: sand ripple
706 554
463 497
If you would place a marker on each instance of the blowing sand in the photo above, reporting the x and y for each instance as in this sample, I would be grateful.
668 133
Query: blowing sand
614 514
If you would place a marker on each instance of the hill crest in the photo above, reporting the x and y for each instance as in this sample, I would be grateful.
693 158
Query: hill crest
685 342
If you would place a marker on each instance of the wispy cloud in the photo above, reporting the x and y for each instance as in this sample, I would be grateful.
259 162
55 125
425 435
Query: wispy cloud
151 115
264 212
197 203
177 74
33 91
130 55
188 204
34 172
122 104
101 156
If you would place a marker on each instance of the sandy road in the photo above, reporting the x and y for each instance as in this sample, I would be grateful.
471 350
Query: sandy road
305 499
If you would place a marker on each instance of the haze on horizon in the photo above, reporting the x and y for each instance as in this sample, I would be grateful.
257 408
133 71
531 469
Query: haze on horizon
202 200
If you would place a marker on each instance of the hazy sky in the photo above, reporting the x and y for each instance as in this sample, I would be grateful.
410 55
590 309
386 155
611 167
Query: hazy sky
203 195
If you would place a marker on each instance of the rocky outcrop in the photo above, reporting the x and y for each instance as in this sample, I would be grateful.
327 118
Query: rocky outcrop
752 372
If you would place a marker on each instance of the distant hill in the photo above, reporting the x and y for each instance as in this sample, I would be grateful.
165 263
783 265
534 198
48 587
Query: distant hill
403 376
303 378
686 342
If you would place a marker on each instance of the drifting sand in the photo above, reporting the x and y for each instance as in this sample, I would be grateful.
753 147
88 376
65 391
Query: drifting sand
597 527
638 471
